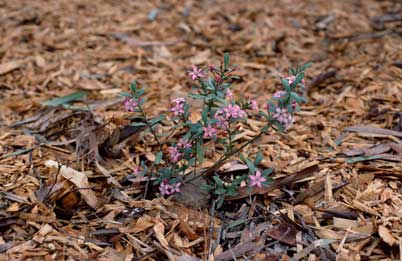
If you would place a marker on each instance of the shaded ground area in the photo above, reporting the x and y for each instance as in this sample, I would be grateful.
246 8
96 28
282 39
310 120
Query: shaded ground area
350 206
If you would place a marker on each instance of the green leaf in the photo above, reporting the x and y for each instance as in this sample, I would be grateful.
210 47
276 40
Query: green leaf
298 79
18 152
265 128
76 96
197 96
236 223
126 94
138 124
267 172
296 97
305 66
292 71
218 181
220 191
204 115
191 162
220 201
258 158
133 86
200 151
250 165
285 84
158 157
156 120
223 101
140 92
363 158
226 60
242 158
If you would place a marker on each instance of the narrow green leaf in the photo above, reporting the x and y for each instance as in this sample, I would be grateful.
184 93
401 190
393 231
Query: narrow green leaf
218 181
200 152
259 157
133 86
298 79
126 94
285 84
158 157
305 66
65 99
250 165
268 171
226 60
156 120
18 152
138 124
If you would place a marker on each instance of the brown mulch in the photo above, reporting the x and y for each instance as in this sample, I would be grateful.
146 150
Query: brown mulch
66 184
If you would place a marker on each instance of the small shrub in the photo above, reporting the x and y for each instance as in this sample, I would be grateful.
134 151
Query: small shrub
221 116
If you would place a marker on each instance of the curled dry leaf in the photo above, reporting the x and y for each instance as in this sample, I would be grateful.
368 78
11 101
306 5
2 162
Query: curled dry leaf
387 236
79 179
159 230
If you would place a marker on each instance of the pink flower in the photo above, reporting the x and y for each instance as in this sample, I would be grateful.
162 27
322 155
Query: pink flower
167 189
291 79
228 94
196 73
183 144
234 111
174 154
130 104
180 100
283 117
257 179
279 94
178 108
209 132
253 104
221 122
136 170
176 187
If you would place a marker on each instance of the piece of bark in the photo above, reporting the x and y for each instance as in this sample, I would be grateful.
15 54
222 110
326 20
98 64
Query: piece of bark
373 130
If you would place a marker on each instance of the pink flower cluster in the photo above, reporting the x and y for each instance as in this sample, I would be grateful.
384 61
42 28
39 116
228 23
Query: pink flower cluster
167 189
196 73
231 112
257 179
209 132
283 116
183 144
178 108
222 117
174 154
130 104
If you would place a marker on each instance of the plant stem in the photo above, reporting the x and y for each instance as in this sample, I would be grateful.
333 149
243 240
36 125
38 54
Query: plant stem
220 162
159 144
149 126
